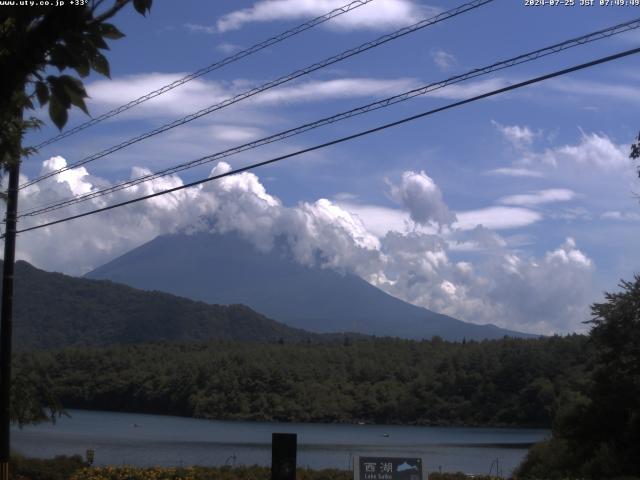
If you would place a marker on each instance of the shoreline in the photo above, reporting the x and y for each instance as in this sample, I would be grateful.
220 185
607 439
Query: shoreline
500 426
172 441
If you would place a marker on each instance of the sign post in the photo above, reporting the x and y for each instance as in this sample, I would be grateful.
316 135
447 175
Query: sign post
283 456
389 468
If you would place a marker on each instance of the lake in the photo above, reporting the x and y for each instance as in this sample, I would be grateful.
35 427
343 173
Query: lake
146 440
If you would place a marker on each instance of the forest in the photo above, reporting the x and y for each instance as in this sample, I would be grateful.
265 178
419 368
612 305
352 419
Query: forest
507 382
585 388
70 311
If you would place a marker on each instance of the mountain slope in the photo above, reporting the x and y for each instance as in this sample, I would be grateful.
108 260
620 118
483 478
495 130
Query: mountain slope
226 269
53 310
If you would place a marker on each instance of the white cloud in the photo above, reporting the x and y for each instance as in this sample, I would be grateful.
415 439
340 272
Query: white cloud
197 94
379 220
378 15
461 91
594 166
334 89
497 218
543 295
235 133
345 196
238 203
622 216
196 28
551 293
187 98
568 253
228 48
591 89
518 136
418 193
532 199
516 172
571 214
75 179
593 150
443 60
478 238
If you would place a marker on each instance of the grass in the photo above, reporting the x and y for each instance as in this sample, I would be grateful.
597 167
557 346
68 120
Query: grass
75 468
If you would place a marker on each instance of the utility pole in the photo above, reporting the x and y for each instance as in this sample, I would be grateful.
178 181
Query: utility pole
6 310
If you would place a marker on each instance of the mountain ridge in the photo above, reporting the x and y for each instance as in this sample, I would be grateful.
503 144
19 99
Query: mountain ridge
53 310
314 299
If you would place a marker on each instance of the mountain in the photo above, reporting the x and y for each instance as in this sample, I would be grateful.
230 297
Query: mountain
53 310
226 269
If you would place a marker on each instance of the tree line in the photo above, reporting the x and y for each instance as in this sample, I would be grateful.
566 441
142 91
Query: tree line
507 382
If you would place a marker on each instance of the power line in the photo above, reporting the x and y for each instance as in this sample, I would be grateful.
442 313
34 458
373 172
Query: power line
210 68
523 58
346 138
273 83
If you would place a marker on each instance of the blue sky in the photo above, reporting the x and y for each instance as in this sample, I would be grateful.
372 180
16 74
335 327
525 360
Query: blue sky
518 210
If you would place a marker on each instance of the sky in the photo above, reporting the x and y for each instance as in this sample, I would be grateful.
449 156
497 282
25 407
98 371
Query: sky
519 210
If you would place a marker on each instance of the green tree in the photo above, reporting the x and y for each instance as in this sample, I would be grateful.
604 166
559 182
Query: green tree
596 432
635 151
36 40
635 148
615 394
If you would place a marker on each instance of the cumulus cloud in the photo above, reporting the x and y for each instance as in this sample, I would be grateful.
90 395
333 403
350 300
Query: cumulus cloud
551 293
378 15
422 198
594 150
239 203
539 197
379 220
479 238
75 179
568 253
544 294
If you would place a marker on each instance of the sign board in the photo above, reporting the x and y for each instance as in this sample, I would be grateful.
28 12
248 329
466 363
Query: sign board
389 468
284 448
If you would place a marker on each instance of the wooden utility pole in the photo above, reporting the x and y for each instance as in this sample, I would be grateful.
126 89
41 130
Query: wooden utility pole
6 310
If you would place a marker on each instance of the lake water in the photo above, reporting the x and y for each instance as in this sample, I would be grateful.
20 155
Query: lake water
146 440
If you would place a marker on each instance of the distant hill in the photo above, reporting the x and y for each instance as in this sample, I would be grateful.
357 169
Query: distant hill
225 269
53 310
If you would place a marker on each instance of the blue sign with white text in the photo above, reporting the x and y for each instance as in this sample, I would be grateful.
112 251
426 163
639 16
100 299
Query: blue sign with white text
389 468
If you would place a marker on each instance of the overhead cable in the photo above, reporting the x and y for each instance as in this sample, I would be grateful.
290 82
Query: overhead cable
523 58
209 68
273 83
345 138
